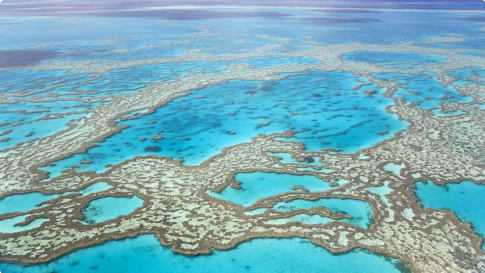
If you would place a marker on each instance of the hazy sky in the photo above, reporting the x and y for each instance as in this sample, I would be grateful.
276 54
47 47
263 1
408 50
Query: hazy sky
110 6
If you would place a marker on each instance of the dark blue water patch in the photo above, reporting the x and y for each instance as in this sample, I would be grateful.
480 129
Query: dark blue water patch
423 88
144 254
152 149
392 59
466 199
24 57
321 107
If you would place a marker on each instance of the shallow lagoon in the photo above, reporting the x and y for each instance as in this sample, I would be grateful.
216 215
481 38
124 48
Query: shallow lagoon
30 201
466 199
108 208
360 211
423 88
393 27
10 225
145 254
195 127
258 185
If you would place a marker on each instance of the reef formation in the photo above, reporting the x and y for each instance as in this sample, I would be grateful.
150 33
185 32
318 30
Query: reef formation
178 209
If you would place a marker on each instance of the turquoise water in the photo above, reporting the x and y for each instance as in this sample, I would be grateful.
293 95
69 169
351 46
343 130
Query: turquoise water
30 201
469 75
321 106
23 202
466 199
145 254
259 62
394 168
360 211
258 185
200 125
10 225
35 129
381 191
108 208
94 188
423 88
24 121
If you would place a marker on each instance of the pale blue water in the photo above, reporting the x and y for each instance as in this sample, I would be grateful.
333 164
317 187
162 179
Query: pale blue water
23 202
259 62
94 188
381 191
35 129
10 225
466 199
200 125
29 201
145 254
360 211
108 208
258 185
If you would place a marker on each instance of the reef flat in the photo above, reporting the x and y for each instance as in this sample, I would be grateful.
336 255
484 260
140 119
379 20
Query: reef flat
178 202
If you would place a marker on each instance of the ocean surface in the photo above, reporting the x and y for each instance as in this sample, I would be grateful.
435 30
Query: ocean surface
325 109
145 254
